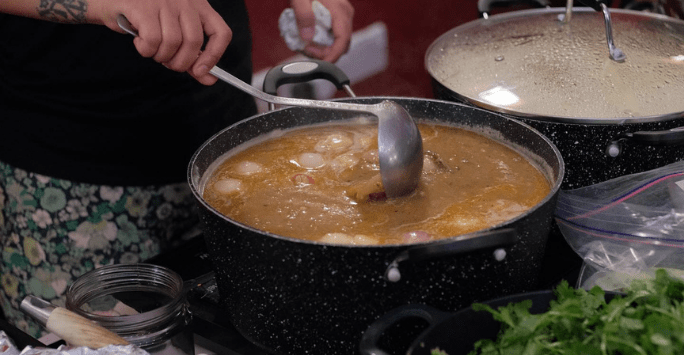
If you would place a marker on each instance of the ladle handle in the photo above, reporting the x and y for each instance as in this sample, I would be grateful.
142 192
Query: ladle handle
223 75
289 101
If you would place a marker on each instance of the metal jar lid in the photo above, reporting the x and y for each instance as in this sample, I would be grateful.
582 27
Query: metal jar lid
531 63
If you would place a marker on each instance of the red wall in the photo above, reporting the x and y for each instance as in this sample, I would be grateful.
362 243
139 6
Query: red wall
411 24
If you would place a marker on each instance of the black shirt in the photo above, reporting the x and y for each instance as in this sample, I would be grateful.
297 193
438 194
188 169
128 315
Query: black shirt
78 102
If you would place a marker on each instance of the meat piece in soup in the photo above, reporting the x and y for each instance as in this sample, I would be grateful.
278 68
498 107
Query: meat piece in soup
322 183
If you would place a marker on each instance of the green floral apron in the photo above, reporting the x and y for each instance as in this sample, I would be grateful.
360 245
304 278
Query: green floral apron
52 231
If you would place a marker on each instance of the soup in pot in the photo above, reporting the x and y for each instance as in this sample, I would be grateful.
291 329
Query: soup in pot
322 183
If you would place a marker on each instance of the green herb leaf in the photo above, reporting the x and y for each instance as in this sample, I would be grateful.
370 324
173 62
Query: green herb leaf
647 319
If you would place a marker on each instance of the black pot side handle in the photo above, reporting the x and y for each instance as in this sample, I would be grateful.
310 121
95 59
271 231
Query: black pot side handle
498 238
669 137
371 337
484 7
673 136
304 71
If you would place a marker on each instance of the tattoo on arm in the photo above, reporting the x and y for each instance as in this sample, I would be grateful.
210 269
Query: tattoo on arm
65 11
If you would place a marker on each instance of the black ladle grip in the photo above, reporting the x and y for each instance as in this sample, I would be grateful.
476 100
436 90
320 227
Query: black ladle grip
674 136
303 71
371 337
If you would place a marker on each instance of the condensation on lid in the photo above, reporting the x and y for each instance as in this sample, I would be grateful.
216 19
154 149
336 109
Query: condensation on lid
530 62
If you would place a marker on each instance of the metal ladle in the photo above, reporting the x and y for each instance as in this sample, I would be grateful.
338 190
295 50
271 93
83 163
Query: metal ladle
400 147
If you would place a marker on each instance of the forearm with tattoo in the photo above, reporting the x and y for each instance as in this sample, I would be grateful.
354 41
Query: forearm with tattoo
65 11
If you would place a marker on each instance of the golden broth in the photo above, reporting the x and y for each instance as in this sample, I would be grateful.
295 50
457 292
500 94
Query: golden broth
322 183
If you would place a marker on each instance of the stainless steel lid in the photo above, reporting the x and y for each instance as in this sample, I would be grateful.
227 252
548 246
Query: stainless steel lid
531 63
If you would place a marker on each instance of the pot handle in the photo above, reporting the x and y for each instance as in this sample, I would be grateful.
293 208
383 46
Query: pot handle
673 136
484 7
669 137
371 337
303 71
498 238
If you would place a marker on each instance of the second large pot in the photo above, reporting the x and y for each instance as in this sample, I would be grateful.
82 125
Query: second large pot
607 118
299 297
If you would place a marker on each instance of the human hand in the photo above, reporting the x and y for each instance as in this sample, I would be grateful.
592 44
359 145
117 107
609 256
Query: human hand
172 32
341 14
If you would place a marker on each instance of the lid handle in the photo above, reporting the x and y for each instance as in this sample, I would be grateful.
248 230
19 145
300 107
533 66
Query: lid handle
594 4
615 53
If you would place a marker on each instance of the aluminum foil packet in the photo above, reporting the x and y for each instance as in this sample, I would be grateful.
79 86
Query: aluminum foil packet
67 350
323 36
7 347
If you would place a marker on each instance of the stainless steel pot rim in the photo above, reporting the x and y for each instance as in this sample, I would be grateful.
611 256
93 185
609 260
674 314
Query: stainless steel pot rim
195 182
543 11
436 49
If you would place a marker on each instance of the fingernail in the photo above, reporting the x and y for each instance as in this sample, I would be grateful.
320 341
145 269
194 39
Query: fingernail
307 33
203 69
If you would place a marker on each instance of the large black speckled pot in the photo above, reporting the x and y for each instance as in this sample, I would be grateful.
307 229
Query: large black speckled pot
297 297
596 145
608 119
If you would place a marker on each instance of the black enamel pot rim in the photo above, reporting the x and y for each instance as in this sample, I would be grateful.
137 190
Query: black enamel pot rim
555 188
531 14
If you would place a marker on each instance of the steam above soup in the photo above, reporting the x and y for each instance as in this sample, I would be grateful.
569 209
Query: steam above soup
322 183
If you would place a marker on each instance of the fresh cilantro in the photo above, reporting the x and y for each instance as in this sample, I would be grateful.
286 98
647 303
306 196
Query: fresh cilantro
648 319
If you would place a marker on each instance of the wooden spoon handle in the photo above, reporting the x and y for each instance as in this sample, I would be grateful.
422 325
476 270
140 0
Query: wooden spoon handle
76 330
79 331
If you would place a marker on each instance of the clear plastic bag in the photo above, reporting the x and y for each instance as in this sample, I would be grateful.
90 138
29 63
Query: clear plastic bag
626 227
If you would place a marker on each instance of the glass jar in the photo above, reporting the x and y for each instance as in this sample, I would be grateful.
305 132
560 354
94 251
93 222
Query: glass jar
143 303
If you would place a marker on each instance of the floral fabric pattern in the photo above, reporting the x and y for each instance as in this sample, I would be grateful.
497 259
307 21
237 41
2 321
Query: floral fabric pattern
52 231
